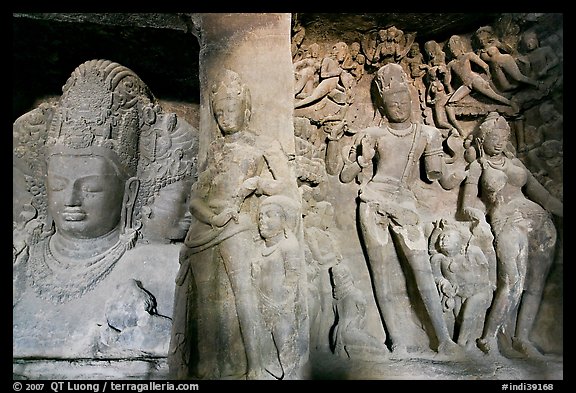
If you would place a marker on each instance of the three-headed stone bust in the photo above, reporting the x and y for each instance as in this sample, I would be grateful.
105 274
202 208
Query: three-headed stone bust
104 153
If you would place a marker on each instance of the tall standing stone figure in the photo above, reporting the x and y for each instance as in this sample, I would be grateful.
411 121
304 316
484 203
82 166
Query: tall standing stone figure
217 326
519 210
388 210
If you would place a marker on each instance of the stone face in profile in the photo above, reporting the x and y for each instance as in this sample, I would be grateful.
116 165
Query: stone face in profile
100 156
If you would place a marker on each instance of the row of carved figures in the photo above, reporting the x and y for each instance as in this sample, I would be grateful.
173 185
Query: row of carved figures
502 77
241 304
511 232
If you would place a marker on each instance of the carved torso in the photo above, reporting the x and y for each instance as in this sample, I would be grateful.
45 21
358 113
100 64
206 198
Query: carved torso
231 163
502 183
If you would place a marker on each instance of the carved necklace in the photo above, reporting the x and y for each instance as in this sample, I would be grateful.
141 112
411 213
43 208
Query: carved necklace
401 133
497 163
61 281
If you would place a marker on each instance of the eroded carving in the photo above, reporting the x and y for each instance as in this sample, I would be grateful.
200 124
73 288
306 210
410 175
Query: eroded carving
388 211
524 234
216 299
88 179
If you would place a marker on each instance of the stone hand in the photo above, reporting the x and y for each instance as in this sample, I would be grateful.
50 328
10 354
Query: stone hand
222 218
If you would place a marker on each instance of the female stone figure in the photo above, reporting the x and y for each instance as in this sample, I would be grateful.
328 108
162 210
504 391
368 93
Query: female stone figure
389 218
214 274
461 67
524 235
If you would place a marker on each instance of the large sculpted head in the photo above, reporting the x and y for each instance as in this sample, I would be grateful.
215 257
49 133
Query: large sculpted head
92 150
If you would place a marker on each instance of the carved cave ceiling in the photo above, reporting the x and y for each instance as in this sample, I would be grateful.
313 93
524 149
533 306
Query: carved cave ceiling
163 50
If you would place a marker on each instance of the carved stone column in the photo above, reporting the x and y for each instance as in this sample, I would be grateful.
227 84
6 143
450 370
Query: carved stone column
257 47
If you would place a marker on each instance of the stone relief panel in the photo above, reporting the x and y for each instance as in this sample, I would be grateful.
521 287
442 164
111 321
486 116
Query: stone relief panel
240 309
399 163
98 175
427 223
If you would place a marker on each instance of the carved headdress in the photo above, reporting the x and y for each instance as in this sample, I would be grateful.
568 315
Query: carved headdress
101 111
391 78
230 86
290 209
168 153
493 121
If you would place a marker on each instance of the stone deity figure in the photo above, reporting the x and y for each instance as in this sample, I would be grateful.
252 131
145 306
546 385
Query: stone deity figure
388 211
167 167
485 37
306 72
215 298
350 335
460 67
322 242
86 245
504 68
505 72
519 210
439 89
416 69
280 281
536 60
462 274
331 84
354 62
392 47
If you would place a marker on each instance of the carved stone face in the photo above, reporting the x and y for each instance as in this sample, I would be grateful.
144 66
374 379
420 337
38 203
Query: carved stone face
397 106
495 141
270 221
85 195
340 50
530 42
449 242
456 46
354 49
169 219
484 37
230 114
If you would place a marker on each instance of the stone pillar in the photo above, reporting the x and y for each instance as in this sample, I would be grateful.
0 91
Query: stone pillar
257 47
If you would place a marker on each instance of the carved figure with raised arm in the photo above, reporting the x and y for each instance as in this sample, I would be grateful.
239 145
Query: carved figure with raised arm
388 210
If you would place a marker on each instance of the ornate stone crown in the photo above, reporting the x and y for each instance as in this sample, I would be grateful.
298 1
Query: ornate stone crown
230 86
99 112
391 78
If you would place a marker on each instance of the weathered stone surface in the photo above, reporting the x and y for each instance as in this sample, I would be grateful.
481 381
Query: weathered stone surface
104 175
399 141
